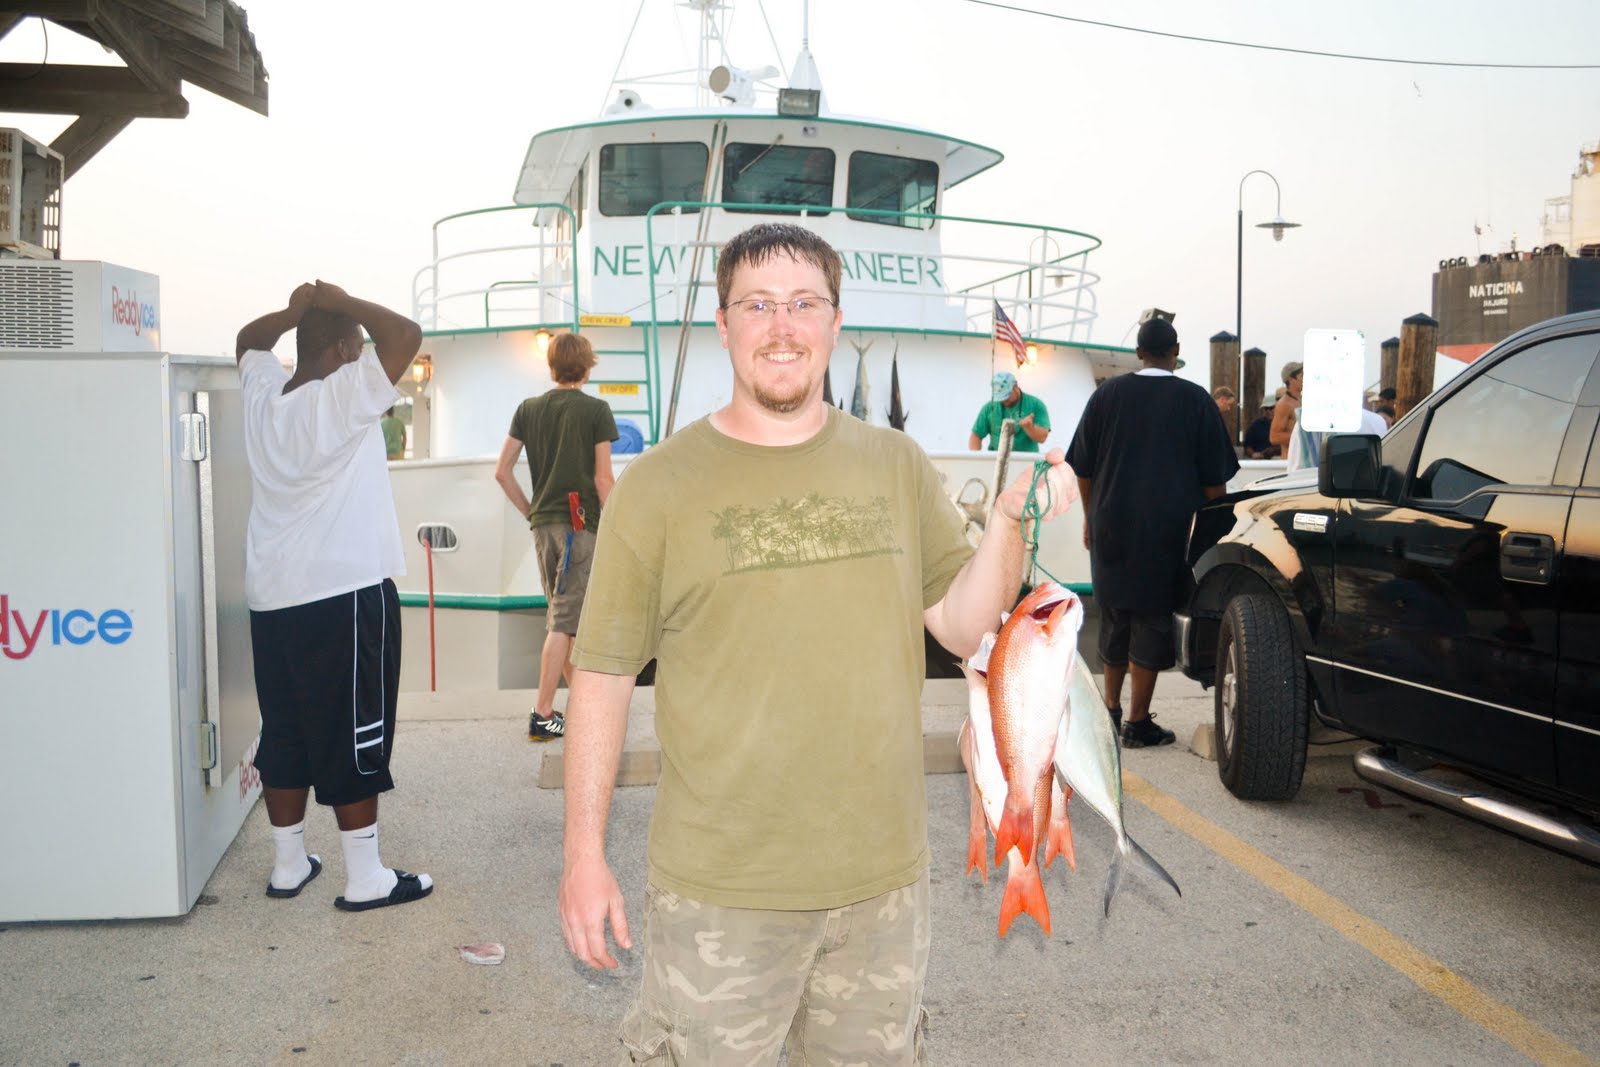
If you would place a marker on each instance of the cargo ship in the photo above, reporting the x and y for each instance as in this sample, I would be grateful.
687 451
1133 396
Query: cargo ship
1480 302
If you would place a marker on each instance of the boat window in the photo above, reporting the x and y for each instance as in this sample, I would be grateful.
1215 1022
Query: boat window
893 183
566 226
636 177
574 198
777 174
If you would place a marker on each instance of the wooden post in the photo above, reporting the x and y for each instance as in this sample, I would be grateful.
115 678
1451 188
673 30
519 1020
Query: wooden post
1225 371
1255 384
1419 341
1388 364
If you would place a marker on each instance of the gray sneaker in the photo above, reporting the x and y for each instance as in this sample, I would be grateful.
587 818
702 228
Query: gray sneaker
551 729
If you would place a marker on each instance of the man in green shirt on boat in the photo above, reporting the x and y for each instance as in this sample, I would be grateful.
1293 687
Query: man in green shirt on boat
1010 402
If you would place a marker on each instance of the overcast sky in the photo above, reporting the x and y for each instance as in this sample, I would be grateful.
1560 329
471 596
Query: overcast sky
387 116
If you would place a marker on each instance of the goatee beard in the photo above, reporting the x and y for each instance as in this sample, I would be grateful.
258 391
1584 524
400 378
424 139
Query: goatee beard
780 405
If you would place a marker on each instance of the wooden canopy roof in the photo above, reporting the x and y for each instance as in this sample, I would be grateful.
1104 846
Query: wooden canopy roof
163 42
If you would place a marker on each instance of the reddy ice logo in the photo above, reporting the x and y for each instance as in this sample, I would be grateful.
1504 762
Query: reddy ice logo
129 311
22 631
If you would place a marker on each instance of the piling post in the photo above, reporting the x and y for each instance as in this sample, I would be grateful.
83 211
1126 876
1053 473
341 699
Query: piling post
1225 371
1255 384
1389 364
1419 342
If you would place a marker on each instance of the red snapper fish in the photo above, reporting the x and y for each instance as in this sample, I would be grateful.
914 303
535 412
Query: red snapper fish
1029 677
1024 889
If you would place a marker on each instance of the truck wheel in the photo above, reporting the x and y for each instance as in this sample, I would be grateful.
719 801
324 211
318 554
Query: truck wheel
1261 715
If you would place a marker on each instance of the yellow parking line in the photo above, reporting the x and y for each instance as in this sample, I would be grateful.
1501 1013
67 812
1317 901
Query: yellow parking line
1508 1025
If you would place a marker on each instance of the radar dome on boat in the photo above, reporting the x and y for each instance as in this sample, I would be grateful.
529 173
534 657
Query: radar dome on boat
627 100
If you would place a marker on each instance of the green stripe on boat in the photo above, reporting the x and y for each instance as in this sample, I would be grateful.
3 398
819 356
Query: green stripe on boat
474 602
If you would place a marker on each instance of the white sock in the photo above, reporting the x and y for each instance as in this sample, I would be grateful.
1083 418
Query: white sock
291 864
365 876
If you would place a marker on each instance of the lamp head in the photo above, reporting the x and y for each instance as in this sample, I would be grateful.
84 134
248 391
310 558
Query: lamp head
1277 226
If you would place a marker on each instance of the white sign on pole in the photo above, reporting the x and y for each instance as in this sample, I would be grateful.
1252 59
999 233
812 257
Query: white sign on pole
1331 391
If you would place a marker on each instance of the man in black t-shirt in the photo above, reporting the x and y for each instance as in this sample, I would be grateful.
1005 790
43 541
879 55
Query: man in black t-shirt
1148 451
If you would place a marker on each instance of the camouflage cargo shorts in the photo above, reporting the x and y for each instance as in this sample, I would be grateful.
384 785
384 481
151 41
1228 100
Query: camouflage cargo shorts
745 986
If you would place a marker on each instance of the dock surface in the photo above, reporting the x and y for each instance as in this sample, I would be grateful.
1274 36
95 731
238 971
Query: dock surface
1349 925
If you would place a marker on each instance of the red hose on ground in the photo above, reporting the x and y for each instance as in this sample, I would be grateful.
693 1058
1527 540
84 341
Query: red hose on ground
433 664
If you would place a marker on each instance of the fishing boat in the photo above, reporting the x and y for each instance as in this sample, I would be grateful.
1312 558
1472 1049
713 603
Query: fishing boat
614 231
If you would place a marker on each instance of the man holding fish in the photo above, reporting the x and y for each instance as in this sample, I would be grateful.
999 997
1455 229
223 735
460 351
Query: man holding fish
779 561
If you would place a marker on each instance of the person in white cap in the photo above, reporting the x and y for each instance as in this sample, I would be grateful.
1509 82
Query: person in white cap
1008 401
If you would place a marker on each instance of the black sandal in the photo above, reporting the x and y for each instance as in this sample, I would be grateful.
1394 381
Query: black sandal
283 894
407 887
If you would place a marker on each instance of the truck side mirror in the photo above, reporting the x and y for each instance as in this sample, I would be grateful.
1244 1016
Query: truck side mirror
1349 466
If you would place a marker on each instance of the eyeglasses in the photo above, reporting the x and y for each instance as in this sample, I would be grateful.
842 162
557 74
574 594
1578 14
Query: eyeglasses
803 307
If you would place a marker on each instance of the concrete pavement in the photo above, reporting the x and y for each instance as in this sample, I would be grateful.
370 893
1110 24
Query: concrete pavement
1240 969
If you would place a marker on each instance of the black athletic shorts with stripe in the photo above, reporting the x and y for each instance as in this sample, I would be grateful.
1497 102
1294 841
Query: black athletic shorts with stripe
327 675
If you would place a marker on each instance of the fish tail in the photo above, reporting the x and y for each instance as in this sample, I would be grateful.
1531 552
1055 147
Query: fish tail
977 838
1024 893
1060 843
978 830
1131 850
1016 826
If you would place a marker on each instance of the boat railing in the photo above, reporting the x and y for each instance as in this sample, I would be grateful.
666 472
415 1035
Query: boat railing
1048 292
440 301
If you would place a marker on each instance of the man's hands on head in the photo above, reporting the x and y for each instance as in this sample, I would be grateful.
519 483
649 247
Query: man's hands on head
329 297
300 299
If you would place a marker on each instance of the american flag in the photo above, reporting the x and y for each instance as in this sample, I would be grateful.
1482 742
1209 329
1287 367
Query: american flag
1006 330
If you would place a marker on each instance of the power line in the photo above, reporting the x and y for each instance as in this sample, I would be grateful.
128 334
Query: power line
1280 48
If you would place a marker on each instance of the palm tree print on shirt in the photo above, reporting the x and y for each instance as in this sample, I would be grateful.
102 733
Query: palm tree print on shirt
802 533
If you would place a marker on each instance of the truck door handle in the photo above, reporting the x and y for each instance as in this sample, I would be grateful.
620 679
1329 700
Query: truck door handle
1526 557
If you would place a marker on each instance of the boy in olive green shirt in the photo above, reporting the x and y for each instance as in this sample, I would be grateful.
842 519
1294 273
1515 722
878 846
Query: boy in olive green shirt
568 436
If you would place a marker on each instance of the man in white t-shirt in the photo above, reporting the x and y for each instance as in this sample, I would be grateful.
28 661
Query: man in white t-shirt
320 551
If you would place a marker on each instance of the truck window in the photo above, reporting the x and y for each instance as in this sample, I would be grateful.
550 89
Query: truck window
636 177
777 174
1506 426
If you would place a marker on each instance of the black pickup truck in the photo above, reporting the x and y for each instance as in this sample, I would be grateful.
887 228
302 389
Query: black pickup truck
1436 591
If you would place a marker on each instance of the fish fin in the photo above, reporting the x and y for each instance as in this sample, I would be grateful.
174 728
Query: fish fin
1016 826
1024 893
1142 861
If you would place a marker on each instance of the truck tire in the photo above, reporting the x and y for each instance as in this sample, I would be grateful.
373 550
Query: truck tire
1262 721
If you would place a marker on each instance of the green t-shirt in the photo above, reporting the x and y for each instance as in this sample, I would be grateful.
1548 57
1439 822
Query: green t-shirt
394 436
559 430
781 592
994 413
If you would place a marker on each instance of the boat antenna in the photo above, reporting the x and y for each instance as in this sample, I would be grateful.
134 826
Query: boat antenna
804 75
623 56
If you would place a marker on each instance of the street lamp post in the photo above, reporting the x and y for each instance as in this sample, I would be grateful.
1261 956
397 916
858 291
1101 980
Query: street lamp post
1277 226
